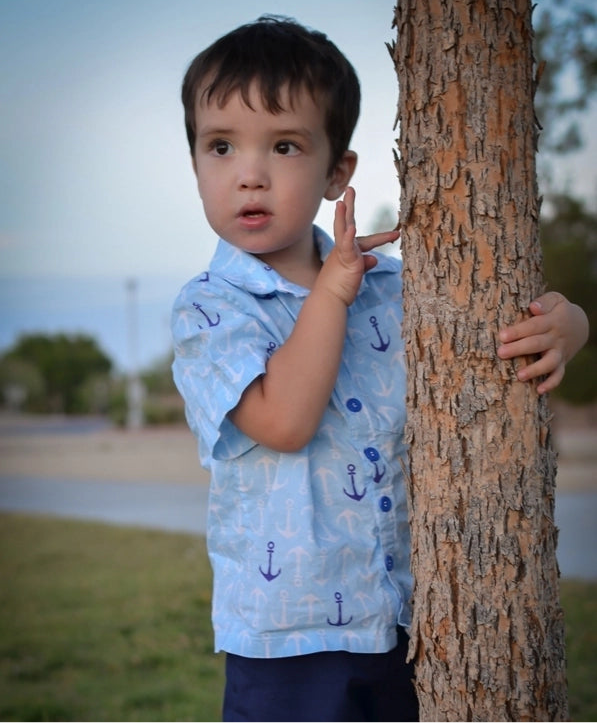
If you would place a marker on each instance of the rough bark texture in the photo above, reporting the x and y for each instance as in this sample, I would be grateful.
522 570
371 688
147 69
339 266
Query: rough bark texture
488 633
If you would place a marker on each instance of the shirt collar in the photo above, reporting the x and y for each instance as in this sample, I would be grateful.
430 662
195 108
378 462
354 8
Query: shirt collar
246 271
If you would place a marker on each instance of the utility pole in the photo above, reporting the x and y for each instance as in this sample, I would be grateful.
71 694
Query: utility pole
134 388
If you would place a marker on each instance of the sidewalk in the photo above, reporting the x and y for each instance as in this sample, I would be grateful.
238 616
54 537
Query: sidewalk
49 447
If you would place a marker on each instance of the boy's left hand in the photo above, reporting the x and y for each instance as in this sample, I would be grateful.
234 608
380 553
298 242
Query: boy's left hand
343 269
556 330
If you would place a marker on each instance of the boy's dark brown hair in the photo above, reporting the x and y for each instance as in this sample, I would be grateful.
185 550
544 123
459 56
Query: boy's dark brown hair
276 53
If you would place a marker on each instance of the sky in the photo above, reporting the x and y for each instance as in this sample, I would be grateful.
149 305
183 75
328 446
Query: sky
96 185
96 171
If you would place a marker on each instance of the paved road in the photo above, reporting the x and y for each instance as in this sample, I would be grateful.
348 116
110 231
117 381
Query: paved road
171 507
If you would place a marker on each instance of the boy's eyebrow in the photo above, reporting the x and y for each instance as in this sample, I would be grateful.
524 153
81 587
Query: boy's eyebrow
302 131
213 131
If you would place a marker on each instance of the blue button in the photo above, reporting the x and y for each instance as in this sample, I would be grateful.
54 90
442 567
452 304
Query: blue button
354 405
372 454
389 563
385 503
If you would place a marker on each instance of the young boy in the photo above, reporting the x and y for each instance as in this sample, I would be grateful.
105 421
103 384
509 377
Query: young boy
289 356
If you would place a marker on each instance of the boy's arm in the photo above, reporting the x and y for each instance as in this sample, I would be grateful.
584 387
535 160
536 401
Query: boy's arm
556 331
283 408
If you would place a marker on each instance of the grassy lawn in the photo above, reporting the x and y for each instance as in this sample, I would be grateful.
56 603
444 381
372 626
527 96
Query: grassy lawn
106 623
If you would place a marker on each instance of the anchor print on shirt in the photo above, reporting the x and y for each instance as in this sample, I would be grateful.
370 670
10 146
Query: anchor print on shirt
300 555
271 348
269 576
269 466
288 531
323 474
297 638
366 601
259 600
373 456
309 602
349 516
339 622
210 321
259 528
283 622
353 494
383 343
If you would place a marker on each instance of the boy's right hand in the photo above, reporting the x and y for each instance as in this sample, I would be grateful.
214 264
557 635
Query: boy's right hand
343 270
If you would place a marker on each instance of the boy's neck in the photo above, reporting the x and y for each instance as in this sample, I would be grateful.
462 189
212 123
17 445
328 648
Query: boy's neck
301 269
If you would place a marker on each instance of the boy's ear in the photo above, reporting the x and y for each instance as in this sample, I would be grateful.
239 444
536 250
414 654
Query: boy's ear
341 175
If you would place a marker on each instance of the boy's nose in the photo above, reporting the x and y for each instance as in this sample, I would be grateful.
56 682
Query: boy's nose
253 174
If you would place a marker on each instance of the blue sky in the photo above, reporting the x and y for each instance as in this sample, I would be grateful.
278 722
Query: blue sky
96 175
96 184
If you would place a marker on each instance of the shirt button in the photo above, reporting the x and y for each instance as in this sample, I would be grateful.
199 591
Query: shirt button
385 503
389 563
354 405
372 454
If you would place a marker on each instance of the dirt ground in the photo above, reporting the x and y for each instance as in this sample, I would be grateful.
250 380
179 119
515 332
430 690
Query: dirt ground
169 454
154 454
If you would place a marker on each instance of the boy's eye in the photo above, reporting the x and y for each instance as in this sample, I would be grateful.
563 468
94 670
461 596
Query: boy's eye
220 147
287 148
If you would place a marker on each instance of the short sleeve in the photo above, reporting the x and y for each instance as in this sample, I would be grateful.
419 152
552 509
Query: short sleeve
220 346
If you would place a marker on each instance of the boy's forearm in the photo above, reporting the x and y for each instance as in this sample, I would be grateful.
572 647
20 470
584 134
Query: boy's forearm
283 408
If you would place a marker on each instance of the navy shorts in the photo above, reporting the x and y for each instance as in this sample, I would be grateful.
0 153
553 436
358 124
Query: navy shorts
329 686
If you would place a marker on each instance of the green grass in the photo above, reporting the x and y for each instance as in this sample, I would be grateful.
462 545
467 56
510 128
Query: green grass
106 623
579 600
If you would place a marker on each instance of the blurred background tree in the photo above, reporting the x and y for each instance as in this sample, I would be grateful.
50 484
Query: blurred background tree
569 241
566 53
58 373
70 374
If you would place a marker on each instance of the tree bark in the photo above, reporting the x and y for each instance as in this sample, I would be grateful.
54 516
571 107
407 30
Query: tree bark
488 632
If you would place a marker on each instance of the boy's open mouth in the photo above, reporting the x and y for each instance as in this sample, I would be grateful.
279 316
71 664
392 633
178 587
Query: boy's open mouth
254 218
253 211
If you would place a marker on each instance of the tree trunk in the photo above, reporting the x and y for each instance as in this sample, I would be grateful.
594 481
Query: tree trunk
488 632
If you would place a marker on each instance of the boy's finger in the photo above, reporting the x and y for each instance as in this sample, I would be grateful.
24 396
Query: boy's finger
367 243
546 302
528 327
339 220
549 365
349 197
552 381
524 346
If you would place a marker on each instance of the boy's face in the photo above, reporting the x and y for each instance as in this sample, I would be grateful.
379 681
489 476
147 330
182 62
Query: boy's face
262 176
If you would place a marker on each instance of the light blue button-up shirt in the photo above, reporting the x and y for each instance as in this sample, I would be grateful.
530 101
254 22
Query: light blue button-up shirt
310 550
